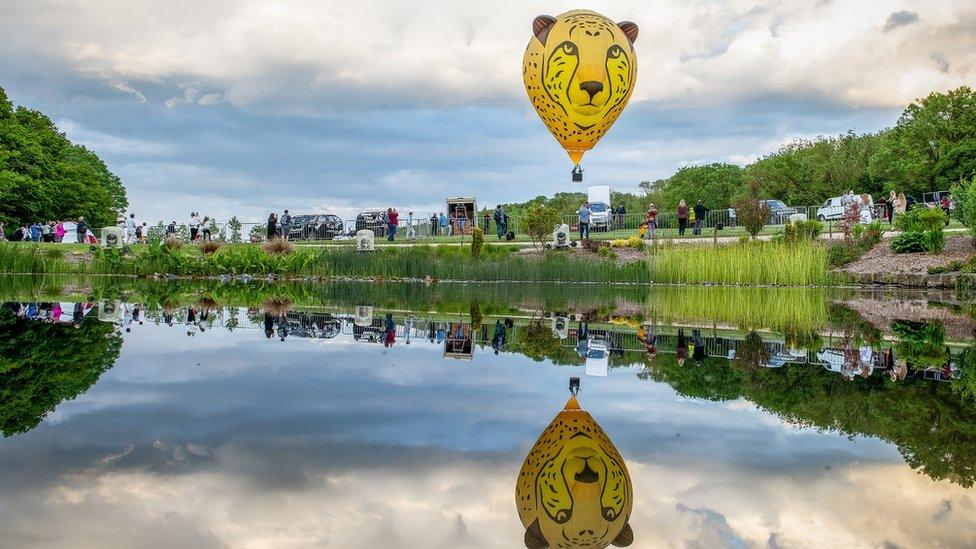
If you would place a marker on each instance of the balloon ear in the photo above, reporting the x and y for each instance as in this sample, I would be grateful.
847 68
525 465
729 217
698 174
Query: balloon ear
534 538
541 27
630 29
625 537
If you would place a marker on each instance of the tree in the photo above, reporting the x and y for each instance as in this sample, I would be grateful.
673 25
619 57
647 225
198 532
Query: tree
751 213
713 184
539 222
43 176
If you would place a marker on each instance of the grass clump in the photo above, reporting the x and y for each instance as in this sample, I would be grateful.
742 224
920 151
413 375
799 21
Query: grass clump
172 243
209 246
278 246
31 259
767 263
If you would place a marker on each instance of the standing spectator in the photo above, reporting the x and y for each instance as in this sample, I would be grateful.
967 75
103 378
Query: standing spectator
901 204
486 221
171 229
47 232
698 353
682 217
195 226
35 232
700 212
681 350
650 222
443 223
865 211
621 216
272 225
285 225
890 207
130 229
461 217
59 231
19 234
385 219
411 232
501 221
584 221
393 218
205 227
138 233
946 206
81 229
145 233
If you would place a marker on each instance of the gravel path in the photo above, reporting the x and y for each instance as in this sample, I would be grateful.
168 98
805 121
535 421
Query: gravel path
882 260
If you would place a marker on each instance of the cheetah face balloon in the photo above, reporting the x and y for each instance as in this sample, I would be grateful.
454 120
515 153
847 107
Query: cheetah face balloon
579 71
574 491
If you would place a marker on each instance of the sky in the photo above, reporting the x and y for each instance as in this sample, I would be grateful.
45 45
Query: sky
228 439
243 107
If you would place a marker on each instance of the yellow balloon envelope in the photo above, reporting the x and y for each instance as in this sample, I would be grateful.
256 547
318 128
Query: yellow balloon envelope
579 71
574 489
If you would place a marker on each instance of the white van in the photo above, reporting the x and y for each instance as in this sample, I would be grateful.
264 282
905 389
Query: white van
831 210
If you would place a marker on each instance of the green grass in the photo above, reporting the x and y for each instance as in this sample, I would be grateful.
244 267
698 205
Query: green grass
750 263
777 309
32 259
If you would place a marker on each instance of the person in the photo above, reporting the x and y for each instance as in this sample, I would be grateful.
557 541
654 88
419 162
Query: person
195 226
621 215
171 229
486 221
145 232
35 232
3 235
682 217
139 233
698 354
682 347
393 219
498 336
700 212
285 225
47 232
130 229
901 204
461 216
946 205
272 225
433 224
385 220
443 223
890 206
649 339
584 221
59 231
389 333
81 229
269 325
501 221
411 233
650 222
865 211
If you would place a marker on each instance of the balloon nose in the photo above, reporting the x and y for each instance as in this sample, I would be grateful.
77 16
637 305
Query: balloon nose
591 87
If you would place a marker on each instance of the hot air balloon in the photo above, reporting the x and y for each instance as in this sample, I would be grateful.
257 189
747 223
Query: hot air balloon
574 489
579 71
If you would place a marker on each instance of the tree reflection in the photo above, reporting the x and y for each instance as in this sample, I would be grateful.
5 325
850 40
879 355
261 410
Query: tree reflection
45 363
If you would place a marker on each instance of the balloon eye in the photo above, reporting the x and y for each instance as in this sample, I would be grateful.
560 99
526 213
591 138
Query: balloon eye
569 48
615 51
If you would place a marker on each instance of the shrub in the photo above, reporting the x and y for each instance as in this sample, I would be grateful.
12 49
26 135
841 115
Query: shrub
477 242
795 231
964 197
209 246
915 241
920 219
539 222
278 246
234 226
751 214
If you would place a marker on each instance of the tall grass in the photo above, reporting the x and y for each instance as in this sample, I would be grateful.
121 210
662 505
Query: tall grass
32 259
750 263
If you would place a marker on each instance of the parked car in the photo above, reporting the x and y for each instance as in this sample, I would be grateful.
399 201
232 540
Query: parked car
315 227
371 219
831 210
779 212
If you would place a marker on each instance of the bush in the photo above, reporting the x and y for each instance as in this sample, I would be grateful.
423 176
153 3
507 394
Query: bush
751 214
923 231
477 242
964 197
802 230
278 246
539 222
920 219
910 242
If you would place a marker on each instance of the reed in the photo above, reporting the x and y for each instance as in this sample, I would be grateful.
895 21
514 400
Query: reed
32 259
777 309
748 263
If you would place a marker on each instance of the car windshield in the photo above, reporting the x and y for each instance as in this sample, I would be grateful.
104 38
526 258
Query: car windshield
598 207
825 204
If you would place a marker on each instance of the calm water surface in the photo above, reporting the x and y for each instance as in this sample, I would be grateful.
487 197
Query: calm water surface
175 422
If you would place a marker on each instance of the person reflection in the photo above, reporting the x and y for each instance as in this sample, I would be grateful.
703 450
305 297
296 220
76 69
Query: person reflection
574 490
268 326
498 337
389 331
682 347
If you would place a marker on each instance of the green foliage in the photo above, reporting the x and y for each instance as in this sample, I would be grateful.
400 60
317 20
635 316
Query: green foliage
774 263
958 165
920 219
923 231
477 242
234 226
921 344
43 364
796 231
964 196
539 221
965 383
713 184
859 241
43 176
912 242
31 259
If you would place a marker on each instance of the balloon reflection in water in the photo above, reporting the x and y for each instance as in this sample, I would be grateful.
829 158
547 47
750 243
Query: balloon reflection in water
574 490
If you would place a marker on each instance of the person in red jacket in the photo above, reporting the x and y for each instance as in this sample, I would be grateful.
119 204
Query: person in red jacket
393 218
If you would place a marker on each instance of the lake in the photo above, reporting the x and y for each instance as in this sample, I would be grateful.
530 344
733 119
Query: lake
220 413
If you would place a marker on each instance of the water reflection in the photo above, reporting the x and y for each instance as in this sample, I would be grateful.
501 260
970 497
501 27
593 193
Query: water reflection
355 412
574 491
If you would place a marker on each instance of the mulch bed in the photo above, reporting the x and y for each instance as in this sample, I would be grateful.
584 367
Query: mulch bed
882 260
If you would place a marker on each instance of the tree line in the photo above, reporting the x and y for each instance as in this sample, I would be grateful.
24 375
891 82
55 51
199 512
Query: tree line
931 147
44 176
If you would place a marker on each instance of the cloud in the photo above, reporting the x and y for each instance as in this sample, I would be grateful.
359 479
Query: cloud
900 19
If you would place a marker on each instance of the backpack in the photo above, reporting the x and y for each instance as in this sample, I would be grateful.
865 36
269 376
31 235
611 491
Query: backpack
498 216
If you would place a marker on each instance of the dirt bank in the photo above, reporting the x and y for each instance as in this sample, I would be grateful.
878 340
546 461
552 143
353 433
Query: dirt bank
881 260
